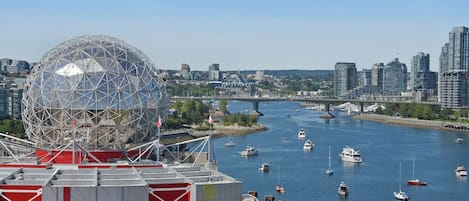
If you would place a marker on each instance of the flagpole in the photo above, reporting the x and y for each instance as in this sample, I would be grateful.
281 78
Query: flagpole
158 146
209 134
158 124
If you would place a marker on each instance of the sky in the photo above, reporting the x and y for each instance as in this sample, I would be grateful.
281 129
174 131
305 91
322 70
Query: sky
240 34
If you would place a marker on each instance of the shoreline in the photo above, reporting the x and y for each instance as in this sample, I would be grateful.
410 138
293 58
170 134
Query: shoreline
412 122
220 130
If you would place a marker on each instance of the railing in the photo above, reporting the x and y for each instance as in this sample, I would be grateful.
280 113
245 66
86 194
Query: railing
316 100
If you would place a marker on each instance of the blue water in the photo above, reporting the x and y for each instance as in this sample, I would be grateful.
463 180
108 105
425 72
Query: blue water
382 146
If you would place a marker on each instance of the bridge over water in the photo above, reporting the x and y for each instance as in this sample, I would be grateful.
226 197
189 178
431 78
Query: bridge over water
326 101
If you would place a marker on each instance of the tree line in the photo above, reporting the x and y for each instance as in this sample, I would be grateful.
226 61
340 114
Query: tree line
424 112
13 127
192 112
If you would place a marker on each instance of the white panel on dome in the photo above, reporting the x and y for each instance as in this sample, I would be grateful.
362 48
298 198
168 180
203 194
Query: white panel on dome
90 65
70 69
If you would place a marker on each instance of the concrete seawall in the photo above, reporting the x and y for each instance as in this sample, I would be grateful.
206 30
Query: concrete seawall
221 130
406 121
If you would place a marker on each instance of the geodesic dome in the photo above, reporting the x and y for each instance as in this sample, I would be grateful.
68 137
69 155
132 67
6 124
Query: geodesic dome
96 90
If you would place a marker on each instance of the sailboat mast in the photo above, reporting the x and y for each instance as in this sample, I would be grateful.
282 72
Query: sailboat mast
278 176
400 174
329 157
413 168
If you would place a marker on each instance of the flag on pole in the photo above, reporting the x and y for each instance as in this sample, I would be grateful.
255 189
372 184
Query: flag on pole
210 120
158 123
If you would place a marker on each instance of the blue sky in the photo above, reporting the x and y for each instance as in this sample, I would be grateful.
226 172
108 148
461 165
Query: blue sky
240 34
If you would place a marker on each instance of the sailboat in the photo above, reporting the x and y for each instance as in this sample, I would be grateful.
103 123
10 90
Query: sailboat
401 195
415 181
329 170
279 188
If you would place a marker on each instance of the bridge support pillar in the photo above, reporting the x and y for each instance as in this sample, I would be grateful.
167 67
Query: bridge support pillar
255 106
327 114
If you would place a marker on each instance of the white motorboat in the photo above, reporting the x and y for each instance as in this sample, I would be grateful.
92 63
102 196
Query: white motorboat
264 167
248 151
249 197
342 189
230 144
351 155
401 195
308 145
461 171
329 170
301 133
458 140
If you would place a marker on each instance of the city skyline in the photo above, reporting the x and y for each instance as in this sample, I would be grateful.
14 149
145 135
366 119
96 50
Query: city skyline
240 35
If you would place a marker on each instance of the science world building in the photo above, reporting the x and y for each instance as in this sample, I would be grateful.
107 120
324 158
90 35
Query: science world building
97 90
90 108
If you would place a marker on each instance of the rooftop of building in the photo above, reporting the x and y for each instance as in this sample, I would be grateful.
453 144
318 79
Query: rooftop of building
108 174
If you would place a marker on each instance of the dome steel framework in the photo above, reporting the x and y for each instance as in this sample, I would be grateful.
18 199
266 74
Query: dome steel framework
96 90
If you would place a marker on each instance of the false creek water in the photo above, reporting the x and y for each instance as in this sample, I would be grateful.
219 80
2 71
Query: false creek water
382 146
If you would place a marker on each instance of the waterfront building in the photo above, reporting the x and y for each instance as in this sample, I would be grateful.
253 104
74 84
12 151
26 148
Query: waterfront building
259 76
365 77
106 100
5 62
14 66
443 68
22 66
377 75
90 108
4 93
454 70
419 66
394 78
185 71
421 78
11 93
345 78
14 103
214 73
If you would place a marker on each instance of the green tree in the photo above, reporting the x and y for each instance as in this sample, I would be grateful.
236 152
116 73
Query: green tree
379 110
13 127
405 110
191 111
223 106
445 114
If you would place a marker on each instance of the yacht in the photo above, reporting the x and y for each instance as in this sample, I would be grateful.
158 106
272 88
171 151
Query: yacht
461 171
308 145
301 133
264 167
342 189
248 151
351 155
